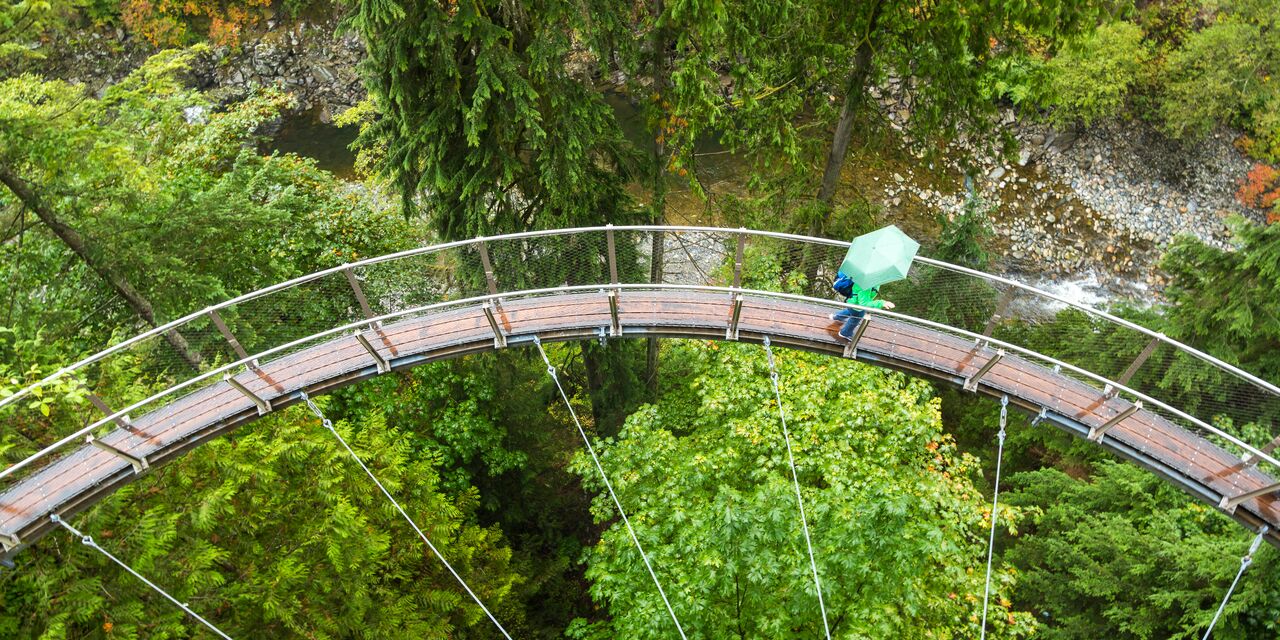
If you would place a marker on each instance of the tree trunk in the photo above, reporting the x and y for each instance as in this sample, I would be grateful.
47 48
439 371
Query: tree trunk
659 206
76 243
854 94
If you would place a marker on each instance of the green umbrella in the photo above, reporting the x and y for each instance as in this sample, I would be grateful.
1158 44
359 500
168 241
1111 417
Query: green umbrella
884 255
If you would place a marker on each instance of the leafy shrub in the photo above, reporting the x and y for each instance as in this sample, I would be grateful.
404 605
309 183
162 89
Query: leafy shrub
1260 188
1018 78
175 22
1091 78
1223 76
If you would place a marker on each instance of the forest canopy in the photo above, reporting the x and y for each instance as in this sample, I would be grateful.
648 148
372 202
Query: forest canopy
130 200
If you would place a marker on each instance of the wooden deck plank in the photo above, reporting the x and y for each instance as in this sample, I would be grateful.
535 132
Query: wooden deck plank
941 355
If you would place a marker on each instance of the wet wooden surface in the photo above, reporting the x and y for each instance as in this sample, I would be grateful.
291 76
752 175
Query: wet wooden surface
87 473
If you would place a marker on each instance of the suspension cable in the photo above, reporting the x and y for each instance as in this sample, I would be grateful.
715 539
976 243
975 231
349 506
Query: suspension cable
88 541
1244 564
328 424
551 371
995 503
795 480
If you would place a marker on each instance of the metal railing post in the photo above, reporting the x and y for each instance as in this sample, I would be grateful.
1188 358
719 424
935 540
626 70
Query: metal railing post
483 249
360 297
230 338
615 323
1134 366
613 254
121 421
737 258
1002 307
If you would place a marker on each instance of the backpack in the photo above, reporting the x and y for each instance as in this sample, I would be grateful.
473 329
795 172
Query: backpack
843 285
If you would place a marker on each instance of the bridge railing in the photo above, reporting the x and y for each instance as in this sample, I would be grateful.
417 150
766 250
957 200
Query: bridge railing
1195 390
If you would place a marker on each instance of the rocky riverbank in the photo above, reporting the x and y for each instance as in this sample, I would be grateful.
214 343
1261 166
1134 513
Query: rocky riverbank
310 60
1100 203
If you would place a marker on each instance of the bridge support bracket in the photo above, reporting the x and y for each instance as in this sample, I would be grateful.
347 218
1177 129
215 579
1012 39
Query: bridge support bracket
732 332
615 323
851 347
9 541
1229 504
1040 417
139 463
971 383
264 405
381 362
499 338
1096 433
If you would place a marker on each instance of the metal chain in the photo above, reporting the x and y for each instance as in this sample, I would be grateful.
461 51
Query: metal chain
795 480
551 371
88 541
328 424
995 503
1244 564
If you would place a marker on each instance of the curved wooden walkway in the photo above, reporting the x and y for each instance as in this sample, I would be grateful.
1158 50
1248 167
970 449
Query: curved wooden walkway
89 474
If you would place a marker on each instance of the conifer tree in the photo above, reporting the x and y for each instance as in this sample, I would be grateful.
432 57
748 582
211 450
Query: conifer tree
486 126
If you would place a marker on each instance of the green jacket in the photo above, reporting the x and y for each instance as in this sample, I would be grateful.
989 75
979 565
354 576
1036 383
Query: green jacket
865 297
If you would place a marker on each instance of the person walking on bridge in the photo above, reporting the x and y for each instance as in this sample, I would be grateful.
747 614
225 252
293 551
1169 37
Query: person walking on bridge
853 294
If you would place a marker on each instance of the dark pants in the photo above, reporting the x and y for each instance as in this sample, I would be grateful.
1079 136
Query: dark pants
851 319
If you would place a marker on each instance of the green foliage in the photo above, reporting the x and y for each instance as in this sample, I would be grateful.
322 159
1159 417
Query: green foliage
184 209
224 529
897 525
964 236
1125 555
1237 322
1091 77
480 121
456 412
1223 74
1020 78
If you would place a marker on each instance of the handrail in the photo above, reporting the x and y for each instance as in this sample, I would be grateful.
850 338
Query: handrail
1181 346
577 230
1253 451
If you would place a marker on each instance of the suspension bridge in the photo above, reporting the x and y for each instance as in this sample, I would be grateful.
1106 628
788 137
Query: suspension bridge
272 348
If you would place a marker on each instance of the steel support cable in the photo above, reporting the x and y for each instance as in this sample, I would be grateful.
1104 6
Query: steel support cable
995 503
328 424
88 542
1244 564
795 480
551 371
